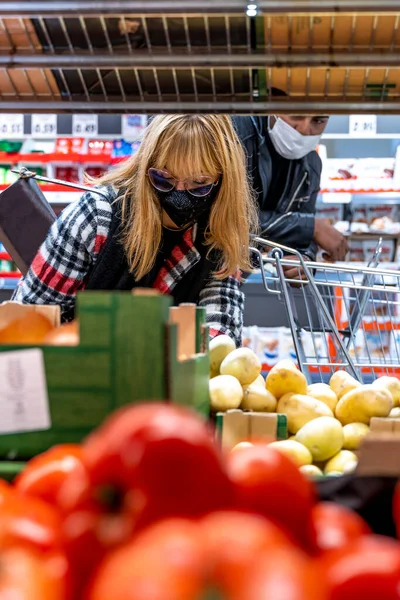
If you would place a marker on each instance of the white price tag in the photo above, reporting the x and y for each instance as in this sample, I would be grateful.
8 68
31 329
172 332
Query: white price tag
24 403
11 126
44 126
85 125
133 127
362 125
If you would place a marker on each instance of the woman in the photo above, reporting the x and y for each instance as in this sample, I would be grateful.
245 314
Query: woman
175 217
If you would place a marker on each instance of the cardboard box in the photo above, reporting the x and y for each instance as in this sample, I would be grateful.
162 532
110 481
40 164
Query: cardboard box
11 311
235 426
379 454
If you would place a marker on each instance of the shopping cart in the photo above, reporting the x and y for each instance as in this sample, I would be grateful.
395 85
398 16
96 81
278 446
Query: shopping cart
352 313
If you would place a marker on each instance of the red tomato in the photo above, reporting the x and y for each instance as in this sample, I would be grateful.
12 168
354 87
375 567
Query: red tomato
270 484
367 568
335 526
165 456
25 575
232 541
44 475
30 523
166 562
283 574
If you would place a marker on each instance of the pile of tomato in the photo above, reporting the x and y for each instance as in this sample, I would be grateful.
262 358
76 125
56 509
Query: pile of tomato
148 508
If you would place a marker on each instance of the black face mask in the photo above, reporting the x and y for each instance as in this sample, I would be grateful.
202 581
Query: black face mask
184 208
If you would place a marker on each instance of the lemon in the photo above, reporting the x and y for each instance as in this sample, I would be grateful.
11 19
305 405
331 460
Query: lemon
293 450
354 433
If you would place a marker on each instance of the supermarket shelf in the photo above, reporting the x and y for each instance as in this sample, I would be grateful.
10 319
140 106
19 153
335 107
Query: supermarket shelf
339 56
40 159
362 199
176 7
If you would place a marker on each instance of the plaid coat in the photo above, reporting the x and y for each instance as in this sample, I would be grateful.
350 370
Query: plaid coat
64 262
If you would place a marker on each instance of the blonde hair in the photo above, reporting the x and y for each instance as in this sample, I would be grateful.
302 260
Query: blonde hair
187 145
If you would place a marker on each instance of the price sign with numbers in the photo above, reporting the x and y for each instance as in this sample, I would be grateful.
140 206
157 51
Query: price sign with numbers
85 125
44 126
11 126
362 125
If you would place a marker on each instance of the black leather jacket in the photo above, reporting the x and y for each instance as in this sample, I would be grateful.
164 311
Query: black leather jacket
291 221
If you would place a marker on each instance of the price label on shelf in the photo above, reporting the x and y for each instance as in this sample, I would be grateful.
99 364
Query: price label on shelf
85 125
24 402
11 126
44 126
362 125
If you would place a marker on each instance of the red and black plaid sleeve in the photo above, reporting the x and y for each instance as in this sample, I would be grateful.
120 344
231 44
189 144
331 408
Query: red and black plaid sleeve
62 264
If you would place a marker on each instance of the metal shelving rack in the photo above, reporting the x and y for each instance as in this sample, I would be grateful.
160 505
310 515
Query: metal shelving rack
146 56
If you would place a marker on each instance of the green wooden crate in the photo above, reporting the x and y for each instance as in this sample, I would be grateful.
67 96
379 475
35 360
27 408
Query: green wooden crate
127 353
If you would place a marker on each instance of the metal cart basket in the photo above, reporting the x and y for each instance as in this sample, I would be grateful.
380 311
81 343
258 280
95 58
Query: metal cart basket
352 312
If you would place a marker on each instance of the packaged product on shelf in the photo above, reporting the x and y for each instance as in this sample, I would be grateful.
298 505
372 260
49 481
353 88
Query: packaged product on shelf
360 214
100 147
287 350
121 149
266 344
95 171
339 169
356 251
70 146
374 168
387 251
315 346
332 212
358 345
67 174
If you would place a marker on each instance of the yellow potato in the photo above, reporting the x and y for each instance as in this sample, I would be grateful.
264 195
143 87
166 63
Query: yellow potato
342 382
343 462
260 381
257 398
293 450
301 409
395 413
392 384
225 393
363 403
242 445
322 436
354 433
220 347
322 392
242 364
285 378
311 471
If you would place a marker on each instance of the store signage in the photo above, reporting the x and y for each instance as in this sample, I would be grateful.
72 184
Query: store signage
133 127
44 126
24 404
85 125
11 126
362 125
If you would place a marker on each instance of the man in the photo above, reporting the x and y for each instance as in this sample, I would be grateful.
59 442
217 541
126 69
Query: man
286 172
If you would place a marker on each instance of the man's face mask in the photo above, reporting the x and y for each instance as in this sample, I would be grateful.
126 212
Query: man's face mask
289 143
